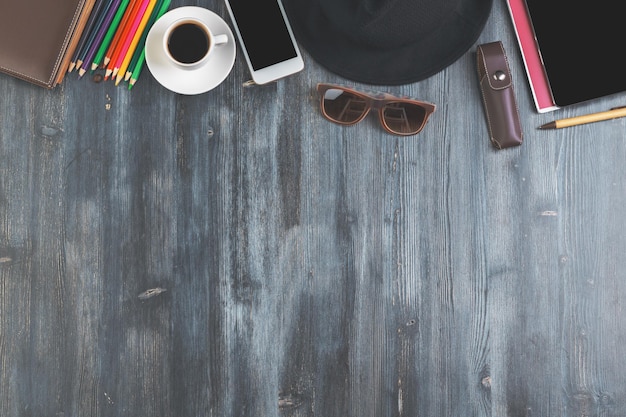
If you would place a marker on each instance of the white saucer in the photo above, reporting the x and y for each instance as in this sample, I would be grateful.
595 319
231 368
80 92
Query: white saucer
195 81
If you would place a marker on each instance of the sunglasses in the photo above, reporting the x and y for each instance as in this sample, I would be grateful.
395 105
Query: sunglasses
398 115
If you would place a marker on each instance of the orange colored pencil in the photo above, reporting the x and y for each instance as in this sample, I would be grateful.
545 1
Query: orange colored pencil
142 14
132 13
115 42
129 31
119 30
141 26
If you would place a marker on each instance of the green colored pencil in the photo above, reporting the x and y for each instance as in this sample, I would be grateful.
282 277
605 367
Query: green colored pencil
137 69
109 35
142 51
158 11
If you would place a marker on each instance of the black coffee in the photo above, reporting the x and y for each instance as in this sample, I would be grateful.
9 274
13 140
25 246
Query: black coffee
188 43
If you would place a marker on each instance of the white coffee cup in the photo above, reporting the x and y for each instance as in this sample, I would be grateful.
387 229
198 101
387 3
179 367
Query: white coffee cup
188 42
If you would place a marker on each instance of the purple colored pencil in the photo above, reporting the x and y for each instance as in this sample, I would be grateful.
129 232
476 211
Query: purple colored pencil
91 53
91 33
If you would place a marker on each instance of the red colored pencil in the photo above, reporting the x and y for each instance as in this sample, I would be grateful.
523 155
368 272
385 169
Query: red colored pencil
115 42
121 34
127 40
118 31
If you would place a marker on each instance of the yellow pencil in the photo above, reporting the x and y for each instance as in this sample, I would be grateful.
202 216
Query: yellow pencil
587 118
129 54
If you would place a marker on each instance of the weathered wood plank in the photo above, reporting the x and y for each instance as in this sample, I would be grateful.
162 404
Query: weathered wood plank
235 254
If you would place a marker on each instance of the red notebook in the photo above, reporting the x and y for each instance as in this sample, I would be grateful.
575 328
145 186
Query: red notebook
573 48
539 86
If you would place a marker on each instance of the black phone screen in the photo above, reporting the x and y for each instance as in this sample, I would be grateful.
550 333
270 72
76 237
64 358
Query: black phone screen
264 32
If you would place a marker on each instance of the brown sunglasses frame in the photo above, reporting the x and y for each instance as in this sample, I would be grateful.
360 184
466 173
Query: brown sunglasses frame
377 101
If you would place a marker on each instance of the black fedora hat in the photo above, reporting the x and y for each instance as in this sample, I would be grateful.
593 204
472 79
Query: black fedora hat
387 42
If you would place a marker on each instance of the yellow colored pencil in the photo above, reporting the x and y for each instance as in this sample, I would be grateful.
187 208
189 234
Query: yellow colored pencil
160 8
116 42
133 44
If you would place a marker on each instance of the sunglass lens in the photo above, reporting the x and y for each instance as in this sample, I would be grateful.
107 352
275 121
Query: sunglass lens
342 106
404 118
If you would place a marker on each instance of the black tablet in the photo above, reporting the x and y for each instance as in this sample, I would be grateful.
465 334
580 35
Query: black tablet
582 47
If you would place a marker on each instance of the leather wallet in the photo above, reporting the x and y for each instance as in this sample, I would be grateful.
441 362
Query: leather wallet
38 37
494 74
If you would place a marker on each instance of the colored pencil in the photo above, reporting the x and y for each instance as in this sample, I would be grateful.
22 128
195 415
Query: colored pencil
118 32
100 13
132 44
120 36
83 38
158 11
109 35
93 33
128 38
138 66
137 69
99 35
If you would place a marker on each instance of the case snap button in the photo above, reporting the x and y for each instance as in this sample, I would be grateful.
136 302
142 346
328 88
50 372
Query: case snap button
499 76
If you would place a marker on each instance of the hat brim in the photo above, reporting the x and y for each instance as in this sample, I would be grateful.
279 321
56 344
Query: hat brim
393 66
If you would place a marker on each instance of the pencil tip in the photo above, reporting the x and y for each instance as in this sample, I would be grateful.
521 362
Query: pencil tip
94 66
551 125
81 72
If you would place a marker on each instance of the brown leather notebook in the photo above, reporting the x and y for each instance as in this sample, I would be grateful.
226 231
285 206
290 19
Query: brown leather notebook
38 37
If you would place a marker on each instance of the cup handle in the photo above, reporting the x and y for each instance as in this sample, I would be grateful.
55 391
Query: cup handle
220 39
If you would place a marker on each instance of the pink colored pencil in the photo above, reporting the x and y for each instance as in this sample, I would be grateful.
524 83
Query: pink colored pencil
116 42
131 34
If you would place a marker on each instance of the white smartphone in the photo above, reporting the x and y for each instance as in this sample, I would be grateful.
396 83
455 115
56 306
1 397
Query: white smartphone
266 39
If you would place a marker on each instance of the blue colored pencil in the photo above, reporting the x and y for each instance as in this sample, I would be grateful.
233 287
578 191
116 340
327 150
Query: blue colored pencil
83 38
94 30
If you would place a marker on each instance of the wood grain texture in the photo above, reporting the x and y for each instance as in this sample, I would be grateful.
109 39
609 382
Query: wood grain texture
234 254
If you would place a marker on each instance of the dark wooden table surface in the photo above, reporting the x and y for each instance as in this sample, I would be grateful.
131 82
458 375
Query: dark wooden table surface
234 254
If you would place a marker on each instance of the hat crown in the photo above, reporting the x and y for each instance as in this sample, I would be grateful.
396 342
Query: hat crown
387 23
387 42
